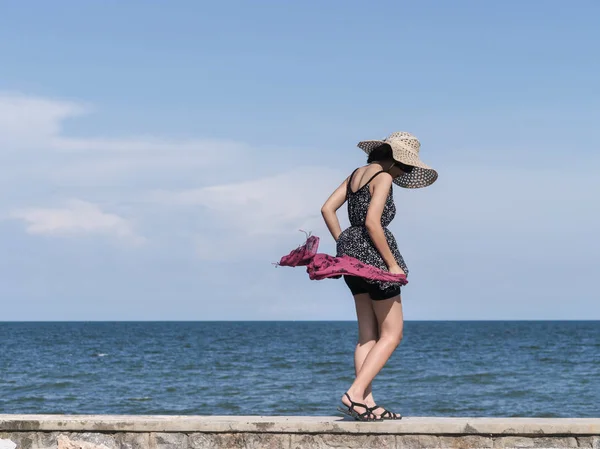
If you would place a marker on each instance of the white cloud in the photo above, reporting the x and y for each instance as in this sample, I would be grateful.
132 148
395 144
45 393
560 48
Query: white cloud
35 147
32 127
268 205
37 155
27 122
76 218
249 218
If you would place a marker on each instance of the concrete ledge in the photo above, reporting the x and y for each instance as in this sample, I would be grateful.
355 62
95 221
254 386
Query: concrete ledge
291 432
300 424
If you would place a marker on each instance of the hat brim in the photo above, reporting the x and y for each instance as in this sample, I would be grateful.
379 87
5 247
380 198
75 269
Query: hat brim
422 175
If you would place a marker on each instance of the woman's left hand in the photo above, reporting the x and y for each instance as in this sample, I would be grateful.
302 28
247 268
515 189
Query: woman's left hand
395 269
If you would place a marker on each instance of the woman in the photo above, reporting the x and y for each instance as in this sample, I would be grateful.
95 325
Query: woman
371 208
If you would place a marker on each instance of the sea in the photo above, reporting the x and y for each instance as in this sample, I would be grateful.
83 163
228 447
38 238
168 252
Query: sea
441 368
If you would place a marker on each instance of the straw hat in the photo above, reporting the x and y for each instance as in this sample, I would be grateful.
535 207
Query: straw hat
405 149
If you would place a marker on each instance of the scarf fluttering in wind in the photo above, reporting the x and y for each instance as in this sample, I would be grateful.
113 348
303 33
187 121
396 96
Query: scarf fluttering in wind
320 266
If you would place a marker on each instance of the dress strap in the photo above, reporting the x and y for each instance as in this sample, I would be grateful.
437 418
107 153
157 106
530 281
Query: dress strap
372 177
348 189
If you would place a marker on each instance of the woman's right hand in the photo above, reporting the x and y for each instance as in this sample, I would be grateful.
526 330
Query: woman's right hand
395 269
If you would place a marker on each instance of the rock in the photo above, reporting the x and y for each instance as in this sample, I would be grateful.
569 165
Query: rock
586 442
134 440
417 441
169 440
235 440
349 441
544 442
466 442
31 440
596 441
64 442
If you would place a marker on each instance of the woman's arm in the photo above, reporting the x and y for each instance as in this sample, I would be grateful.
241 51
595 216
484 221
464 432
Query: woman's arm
381 188
329 209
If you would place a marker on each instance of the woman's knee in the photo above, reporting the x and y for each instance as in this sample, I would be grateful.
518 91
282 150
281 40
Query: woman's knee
367 340
368 333
393 338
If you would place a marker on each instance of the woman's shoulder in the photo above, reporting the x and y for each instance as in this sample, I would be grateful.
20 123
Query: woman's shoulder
371 170
383 177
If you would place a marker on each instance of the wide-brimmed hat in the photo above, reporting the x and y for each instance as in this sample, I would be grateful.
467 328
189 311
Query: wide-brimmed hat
405 149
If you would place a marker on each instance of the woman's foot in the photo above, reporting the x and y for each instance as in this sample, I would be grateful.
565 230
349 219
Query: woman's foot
383 413
358 409
379 410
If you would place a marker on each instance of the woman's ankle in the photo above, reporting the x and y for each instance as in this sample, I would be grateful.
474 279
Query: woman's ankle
369 400
356 394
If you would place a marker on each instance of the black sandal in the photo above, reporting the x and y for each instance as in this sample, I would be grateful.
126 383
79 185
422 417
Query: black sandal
351 411
386 413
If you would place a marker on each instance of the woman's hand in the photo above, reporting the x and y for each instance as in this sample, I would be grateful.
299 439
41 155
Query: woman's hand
395 269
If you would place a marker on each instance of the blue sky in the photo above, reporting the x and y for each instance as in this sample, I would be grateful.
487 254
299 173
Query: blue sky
157 157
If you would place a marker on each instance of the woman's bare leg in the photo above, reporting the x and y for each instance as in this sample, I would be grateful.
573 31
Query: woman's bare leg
368 333
391 322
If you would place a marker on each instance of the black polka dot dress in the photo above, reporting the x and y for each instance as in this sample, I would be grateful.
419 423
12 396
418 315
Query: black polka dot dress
355 240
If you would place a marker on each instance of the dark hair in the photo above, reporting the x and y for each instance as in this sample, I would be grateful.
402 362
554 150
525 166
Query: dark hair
384 153
381 153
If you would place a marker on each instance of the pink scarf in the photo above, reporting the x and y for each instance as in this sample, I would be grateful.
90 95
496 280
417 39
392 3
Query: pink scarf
320 266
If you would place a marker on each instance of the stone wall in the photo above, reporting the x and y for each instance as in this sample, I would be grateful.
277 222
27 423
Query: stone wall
289 432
